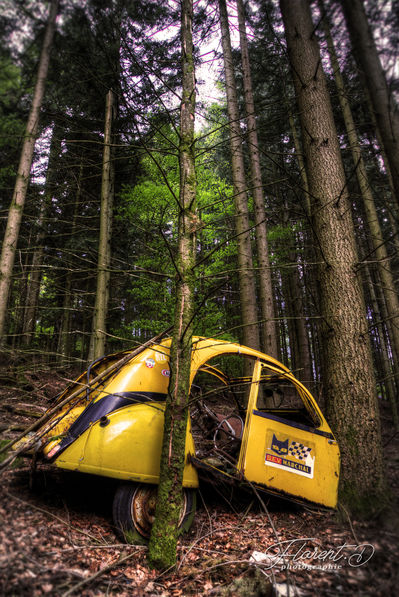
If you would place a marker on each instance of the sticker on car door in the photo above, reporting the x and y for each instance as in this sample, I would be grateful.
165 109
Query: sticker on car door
290 453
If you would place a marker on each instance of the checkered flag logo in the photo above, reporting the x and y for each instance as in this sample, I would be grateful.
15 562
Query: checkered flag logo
299 451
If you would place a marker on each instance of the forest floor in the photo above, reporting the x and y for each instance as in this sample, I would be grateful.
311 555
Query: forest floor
57 536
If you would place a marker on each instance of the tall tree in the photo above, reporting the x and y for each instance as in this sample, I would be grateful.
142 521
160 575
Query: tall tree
250 332
377 237
384 106
64 346
348 370
269 338
162 547
21 186
97 347
35 273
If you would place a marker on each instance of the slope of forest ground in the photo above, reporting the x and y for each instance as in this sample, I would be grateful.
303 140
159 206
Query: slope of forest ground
57 535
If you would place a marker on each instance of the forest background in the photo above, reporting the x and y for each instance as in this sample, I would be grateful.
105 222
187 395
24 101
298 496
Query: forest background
307 271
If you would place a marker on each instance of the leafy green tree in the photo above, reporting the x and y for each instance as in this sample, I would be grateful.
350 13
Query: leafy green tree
147 216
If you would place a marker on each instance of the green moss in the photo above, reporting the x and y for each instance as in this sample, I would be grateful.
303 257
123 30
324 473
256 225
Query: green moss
363 506
253 584
351 439
133 537
163 553
18 462
3 443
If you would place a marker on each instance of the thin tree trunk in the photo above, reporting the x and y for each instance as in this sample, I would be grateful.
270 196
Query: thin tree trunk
35 275
97 342
309 254
269 337
378 151
385 323
18 298
249 312
22 181
163 541
348 375
387 380
33 284
64 341
384 106
283 327
302 359
300 160
64 338
290 319
298 335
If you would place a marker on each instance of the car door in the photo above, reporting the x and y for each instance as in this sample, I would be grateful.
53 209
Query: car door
287 444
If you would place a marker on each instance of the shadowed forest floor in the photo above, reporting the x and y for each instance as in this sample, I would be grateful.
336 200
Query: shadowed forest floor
57 536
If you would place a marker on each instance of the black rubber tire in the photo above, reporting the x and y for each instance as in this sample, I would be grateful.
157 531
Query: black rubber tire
125 503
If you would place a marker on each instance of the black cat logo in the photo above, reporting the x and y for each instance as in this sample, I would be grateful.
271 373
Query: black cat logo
279 447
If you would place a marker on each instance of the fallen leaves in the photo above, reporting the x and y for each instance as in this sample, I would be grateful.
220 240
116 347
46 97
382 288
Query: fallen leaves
60 536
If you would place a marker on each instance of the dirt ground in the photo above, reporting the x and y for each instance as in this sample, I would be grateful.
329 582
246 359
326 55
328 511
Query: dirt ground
57 536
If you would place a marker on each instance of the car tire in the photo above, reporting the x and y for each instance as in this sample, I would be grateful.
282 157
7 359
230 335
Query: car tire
134 510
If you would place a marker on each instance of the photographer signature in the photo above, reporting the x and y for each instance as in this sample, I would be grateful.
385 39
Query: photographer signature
297 551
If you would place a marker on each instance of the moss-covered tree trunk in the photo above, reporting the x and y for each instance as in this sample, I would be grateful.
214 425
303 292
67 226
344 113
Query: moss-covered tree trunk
21 185
163 541
348 370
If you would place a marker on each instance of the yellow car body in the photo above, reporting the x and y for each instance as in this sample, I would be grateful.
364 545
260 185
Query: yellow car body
116 430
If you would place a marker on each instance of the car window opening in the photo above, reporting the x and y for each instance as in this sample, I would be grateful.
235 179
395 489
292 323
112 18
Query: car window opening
219 403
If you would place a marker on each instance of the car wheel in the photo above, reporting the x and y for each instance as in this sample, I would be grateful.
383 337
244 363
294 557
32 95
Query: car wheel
134 511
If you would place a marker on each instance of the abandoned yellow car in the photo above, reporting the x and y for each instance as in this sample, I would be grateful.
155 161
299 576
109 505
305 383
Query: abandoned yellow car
251 422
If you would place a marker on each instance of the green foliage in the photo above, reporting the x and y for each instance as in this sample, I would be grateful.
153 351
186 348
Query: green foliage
148 212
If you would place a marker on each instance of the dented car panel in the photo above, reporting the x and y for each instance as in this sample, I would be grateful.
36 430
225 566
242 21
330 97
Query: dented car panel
116 431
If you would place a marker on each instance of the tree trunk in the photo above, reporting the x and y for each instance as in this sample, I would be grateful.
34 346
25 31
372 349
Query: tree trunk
282 314
97 341
302 358
308 257
18 294
268 327
385 370
64 338
22 181
32 295
385 324
384 106
348 375
249 312
380 252
300 160
163 541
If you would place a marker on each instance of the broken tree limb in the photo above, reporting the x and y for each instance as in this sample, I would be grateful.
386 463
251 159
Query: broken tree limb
26 410
48 415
